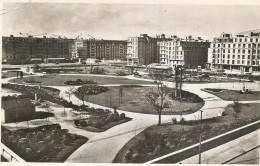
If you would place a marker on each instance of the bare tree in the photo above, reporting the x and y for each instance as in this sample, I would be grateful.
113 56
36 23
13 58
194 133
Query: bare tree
237 106
70 92
157 99
81 93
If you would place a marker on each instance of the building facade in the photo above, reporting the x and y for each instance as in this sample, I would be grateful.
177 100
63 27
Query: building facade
18 50
103 49
187 52
236 54
78 44
143 50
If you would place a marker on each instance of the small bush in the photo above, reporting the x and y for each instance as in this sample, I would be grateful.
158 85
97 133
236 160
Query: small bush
122 116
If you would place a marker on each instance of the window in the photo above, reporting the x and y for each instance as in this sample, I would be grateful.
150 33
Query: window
245 39
227 61
251 40
233 61
238 61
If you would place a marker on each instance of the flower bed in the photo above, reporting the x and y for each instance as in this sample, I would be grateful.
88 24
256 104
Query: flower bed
101 123
214 90
91 90
80 82
47 143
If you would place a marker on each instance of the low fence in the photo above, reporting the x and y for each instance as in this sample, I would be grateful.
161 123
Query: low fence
190 151
10 155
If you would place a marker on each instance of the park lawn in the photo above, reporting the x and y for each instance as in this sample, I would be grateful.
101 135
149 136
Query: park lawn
11 74
134 100
231 95
59 80
186 133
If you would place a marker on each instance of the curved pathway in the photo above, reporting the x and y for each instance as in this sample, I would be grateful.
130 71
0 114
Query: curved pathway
103 147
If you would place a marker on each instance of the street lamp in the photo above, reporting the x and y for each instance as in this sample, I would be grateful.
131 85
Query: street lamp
200 137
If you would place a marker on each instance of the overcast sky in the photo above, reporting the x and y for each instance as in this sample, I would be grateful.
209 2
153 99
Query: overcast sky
116 21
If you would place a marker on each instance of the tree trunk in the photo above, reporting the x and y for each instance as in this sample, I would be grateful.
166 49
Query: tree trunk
159 118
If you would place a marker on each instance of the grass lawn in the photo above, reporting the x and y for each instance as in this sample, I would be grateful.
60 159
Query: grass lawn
134 100
178 136
11 74
59 80
231 95
105 127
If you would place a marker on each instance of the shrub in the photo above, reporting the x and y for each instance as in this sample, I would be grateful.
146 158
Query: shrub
122 116
116 117
174 120
76 122
83 123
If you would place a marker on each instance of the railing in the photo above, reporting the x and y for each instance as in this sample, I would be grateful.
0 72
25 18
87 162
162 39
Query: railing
10 155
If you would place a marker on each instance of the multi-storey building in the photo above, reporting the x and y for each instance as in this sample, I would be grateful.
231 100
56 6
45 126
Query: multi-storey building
143 50
78 44
187 52
238 54
103 49
17 50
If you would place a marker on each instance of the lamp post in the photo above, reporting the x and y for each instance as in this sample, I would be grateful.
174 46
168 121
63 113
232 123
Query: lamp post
200 137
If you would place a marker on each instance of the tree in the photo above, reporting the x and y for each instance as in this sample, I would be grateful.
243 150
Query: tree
157 99
70 92
81 93
237 106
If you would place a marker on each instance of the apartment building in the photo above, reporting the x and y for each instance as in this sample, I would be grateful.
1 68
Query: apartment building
187 52
78 44
103 49
143 50
18 50
236 54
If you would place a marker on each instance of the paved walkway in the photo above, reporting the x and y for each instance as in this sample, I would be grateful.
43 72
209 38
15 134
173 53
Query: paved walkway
103 147
228 151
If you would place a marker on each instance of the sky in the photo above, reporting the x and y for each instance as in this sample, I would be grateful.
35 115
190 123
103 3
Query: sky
119 21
